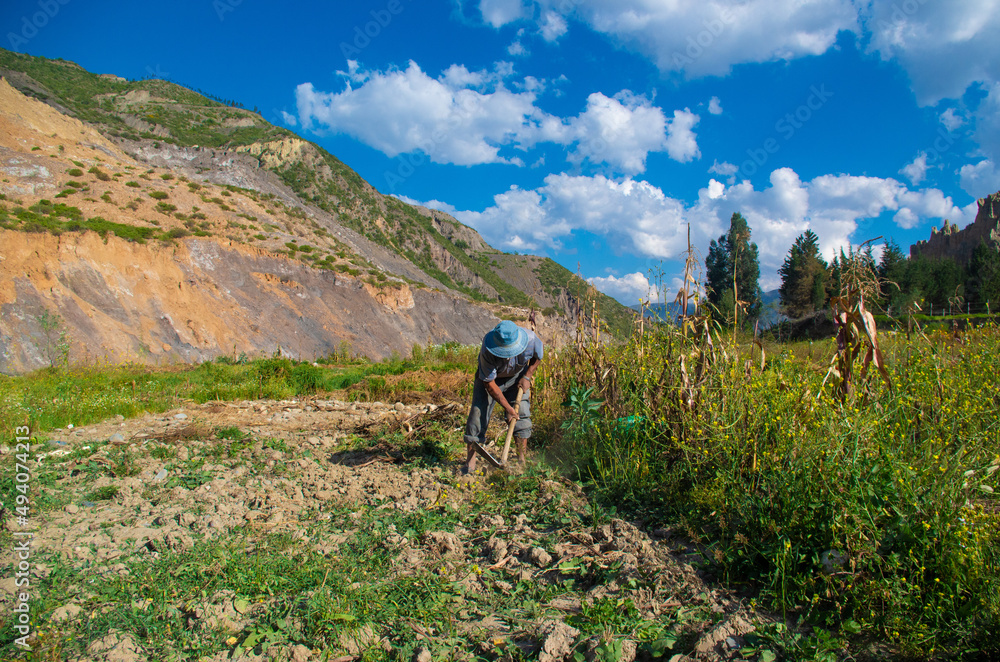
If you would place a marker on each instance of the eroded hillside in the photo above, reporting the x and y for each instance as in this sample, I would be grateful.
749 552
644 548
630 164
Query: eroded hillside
142 264
162 175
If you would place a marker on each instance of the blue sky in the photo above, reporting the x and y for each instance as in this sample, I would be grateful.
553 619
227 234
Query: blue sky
595 131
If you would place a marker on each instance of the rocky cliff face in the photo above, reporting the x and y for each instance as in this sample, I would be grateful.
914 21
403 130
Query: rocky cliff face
957 244
124 301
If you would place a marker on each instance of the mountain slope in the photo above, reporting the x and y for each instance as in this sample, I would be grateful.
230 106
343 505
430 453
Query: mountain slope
105 259
152 116
152 162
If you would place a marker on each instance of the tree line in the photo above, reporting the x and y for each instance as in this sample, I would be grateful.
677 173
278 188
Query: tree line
808 281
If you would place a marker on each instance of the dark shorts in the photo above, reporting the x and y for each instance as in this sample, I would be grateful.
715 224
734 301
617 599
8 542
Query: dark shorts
482 407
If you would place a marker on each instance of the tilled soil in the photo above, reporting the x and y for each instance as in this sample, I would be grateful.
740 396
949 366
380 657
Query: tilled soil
124 492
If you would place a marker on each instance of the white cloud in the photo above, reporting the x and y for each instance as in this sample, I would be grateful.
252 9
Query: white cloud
638 218
988 123
517 49
288 118
951 120
446 207
943 46
682 143
635 215
981 179
716 189
469 117
401 111
628 289
552 26
916 171
501 12
708 38
725 168
906 219
715 106
622 131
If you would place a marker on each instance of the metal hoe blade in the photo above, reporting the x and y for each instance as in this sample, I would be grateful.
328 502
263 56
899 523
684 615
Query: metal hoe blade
486 454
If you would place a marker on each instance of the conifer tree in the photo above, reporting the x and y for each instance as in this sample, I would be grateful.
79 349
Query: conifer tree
732 260
803 277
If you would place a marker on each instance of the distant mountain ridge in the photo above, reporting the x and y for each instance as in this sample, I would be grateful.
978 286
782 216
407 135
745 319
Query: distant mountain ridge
770 313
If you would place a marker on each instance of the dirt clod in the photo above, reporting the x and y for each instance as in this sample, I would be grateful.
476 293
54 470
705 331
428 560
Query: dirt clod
557 639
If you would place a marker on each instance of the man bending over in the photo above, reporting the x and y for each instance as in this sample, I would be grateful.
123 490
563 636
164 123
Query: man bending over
508 359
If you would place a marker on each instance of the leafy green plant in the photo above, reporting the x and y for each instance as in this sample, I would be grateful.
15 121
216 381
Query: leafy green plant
100 174
584 409
230 433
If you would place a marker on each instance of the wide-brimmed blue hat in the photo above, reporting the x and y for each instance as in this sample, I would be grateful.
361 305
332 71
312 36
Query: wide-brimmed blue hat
506 340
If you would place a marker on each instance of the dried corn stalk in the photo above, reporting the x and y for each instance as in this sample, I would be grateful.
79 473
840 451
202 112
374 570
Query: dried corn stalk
856 332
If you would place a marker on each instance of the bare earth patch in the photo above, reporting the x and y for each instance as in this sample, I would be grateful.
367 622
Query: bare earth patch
520 556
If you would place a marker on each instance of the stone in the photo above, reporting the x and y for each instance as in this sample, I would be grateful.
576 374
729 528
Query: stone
399 406
960 244
832 561
117 438
181 416
117 647
423 654
72 509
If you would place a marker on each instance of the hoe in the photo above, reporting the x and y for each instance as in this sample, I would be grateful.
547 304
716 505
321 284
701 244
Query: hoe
502 462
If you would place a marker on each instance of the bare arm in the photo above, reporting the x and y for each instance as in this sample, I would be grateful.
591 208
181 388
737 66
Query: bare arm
496 394
526 378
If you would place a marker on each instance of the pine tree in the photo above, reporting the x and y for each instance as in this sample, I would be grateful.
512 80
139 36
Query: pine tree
733 260
717 271
803 277
892 276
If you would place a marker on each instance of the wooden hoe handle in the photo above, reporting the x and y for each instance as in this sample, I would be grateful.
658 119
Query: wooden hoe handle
510 427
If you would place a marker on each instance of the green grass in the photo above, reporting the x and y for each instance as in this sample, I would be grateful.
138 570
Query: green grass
53 398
